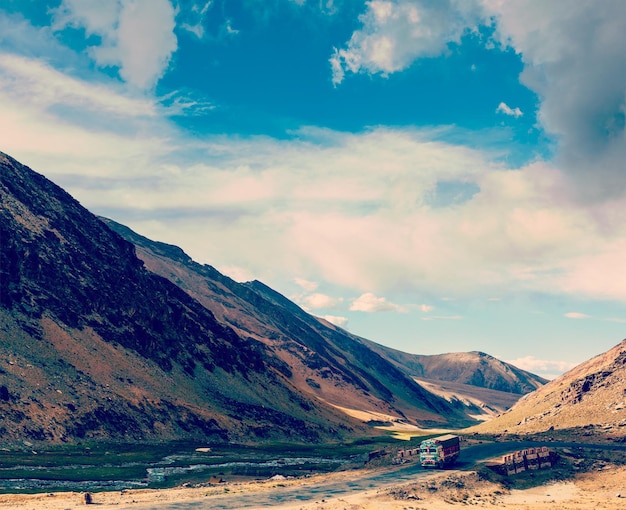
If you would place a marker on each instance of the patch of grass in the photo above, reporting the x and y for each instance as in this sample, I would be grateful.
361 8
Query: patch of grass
105 462
78 473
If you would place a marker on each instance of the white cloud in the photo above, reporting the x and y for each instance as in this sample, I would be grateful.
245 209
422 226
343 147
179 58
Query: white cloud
507 110
424 308
239 274
41 86
592 274
137 35
574 60
62 124
370 303
178 103
306 284
443 318
228 27
197 29
545 368
201 11
196 14
576 315
395 33
616 319
342 322
19 36
95 16
349 209
317 301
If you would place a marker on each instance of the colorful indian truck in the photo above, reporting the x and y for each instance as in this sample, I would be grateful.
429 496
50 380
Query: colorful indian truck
439 452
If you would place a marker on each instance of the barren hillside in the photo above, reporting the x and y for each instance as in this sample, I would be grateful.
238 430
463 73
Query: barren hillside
593 394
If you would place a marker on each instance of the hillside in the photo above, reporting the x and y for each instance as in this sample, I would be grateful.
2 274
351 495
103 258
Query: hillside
93 345
99 343
480 403
325 361
335 366
591 395
482 385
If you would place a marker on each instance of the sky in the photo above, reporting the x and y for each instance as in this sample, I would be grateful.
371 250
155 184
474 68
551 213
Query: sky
436 176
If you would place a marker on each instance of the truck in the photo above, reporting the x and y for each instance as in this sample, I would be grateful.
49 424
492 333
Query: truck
439 452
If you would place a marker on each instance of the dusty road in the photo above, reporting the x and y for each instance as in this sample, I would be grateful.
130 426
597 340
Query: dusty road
345 484
393 488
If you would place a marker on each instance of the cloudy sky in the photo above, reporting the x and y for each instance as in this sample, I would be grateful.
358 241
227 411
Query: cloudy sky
435 176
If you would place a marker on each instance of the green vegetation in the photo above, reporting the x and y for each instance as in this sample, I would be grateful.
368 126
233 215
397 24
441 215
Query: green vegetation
169 464
96 463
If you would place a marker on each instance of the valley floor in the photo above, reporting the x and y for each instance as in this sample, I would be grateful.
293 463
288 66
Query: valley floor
603 489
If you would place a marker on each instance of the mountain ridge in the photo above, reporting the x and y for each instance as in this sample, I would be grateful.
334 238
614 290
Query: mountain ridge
321 351
475 404
474 368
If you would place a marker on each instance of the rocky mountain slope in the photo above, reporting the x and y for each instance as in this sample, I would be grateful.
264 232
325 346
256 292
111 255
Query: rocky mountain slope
591 395
325 361
98 343
95 345
474 384
485 386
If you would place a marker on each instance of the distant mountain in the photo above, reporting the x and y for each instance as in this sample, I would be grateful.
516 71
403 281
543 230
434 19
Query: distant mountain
97 343
480 384
593 394
470 368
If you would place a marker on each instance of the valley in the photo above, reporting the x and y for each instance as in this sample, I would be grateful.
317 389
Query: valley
312 255
137 342
132 373
353 484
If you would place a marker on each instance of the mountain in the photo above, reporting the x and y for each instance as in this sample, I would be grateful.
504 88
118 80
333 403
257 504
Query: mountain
591 395
482 385
94 345
470 368
98 343
326 362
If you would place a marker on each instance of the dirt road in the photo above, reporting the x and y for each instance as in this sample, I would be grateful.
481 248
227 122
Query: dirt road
359 489
345 484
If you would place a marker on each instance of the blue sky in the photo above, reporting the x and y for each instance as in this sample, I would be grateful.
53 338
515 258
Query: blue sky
435 176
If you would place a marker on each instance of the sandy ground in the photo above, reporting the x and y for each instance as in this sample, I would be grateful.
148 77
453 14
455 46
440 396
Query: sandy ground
604 489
